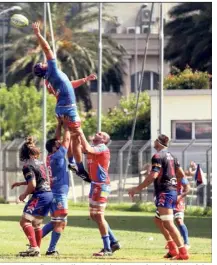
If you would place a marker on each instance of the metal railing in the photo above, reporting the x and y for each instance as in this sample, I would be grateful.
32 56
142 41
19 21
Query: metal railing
200 152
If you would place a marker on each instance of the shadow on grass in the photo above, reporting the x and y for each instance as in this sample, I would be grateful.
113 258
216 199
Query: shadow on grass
198 227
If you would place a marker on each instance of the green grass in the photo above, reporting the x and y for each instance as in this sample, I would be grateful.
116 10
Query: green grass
147 207
81 238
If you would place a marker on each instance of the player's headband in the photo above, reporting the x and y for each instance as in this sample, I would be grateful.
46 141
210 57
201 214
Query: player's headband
163 140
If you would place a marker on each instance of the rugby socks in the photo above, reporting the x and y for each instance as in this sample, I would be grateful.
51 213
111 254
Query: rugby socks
38 236
172 248
184 232
106 242
111 235
80 167
71 160
47 229
30 233
55 236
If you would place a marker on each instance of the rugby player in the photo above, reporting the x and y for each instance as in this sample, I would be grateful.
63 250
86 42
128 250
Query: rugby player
66 102
59 182
183 188
38 205
98 160
165 168
75 84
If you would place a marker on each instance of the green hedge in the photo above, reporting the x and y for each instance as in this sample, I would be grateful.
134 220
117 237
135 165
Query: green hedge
187 79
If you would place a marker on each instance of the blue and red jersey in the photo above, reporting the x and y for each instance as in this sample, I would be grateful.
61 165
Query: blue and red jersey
98 164
165 164
35 169
61 85
58 171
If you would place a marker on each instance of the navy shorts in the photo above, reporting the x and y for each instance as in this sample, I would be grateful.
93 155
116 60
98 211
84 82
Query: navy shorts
70 114
166 199
59 205
39 204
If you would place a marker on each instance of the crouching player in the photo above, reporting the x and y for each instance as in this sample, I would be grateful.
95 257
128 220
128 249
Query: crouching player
38 206
98 159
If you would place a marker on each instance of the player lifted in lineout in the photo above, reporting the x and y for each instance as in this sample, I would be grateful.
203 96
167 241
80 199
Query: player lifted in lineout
66 101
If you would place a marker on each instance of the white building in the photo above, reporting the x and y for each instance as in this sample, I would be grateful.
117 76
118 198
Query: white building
187 114
130 26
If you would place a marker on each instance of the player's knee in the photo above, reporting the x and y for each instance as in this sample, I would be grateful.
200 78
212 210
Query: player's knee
92 216
100 218
24 222
36 222
179 221
157 220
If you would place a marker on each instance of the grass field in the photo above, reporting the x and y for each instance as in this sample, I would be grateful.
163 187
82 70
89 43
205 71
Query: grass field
81 238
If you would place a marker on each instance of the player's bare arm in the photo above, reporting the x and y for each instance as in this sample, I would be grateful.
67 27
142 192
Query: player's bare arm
29 189
148 180
43 43
80 82
186 190
86 147
58 129
17 184
180 173
66 135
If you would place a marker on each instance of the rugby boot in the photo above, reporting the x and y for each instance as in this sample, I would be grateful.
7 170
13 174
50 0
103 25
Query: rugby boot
103 253
115 246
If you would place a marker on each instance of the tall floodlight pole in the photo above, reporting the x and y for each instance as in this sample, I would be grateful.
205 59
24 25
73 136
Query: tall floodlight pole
51 29
99 84
2 13
136 47
44 123
6 11
161 69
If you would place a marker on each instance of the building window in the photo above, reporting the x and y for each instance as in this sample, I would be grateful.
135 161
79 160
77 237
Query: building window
188 130
150 81
203 130
183 131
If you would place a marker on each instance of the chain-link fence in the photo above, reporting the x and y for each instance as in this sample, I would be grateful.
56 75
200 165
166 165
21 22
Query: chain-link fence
123 174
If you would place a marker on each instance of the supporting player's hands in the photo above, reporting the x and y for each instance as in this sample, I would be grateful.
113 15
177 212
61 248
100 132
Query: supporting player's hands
15 184
91 77
77 132
179 198
36 28
22 197
133 191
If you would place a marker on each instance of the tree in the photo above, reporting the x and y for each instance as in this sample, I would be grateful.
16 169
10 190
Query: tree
21 112
190 36
77 49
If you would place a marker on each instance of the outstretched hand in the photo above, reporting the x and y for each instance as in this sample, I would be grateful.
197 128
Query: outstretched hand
132 192
15 184
91 77
36 28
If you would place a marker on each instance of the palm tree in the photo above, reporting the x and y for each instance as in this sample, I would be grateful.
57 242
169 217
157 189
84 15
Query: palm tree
190 36
77 49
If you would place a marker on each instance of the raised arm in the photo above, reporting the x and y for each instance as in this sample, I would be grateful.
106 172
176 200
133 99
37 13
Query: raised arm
66 135
58 129
80 82
43 43
86 147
